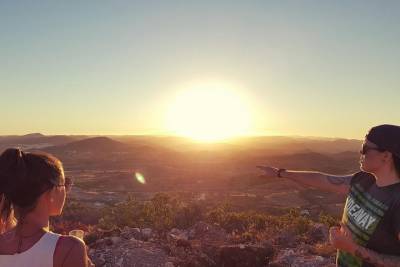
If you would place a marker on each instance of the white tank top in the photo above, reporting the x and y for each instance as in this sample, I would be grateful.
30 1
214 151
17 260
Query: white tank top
39 255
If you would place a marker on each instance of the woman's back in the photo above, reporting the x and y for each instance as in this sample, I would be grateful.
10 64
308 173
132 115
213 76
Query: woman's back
46 250
40 254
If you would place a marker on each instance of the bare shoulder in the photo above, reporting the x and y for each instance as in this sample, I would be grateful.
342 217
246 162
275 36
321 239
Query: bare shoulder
2 243
6 240
70 251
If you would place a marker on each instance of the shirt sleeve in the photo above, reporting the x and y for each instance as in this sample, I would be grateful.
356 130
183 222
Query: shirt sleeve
362 178
396 220
355 178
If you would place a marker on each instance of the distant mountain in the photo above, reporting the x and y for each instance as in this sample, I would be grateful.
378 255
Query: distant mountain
33 135
338 163
30 139
35 141
299 144
94 144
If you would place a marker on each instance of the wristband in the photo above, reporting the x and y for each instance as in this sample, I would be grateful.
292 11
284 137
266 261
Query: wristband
278 173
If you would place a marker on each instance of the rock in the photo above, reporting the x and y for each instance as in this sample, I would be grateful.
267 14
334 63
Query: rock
197 260
183 243
110 232
318 233
179 237
176 234
130 253
267 244
208 245
129 233
100 258
244 255
304 248
100 243
115 239
146 233
144 257
286 239
290 257
305 213
108 241
211 250
205 231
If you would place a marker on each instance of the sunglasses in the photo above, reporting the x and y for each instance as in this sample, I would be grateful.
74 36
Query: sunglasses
68 183
365 148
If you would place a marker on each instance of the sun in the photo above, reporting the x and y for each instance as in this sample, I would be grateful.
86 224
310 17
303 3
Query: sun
209 112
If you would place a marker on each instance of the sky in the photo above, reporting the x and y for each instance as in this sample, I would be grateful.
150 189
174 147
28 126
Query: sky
311 68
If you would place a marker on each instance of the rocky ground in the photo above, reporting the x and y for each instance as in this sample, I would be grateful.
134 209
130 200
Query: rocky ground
208 245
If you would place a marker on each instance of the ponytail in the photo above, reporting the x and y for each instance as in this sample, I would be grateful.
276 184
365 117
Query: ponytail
7 219
10 161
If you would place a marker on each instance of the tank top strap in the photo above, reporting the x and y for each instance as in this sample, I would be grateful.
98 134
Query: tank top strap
48 243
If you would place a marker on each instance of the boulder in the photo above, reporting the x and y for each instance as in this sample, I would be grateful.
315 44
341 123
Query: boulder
205 231
293 258
130 253
128 233
147 233
318 233
244 255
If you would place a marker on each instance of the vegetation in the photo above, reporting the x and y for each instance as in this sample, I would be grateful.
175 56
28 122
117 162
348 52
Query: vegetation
182 210
164 212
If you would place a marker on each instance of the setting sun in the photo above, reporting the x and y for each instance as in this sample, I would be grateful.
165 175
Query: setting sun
209 113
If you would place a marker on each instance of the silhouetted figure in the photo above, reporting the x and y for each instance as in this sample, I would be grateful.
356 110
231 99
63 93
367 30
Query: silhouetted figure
370 228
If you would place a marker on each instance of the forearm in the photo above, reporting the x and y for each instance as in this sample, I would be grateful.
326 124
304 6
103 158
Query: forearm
304 177
319 180
376 259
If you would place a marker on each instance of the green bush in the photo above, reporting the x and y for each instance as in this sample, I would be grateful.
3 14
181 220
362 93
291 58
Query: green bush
327 219
164 212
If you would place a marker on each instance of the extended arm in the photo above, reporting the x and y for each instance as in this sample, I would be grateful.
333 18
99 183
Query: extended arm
323 181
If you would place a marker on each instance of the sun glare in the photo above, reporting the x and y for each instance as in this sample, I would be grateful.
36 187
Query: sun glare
209 113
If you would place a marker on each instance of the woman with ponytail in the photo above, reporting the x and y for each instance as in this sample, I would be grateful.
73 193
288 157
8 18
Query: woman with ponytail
33 188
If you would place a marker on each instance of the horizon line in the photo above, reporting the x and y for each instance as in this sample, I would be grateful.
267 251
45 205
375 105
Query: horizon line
181 136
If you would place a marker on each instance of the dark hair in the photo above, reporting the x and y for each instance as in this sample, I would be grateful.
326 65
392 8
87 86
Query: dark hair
396 161
23 178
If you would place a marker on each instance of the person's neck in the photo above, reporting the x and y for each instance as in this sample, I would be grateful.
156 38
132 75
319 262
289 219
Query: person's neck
32 223
386 177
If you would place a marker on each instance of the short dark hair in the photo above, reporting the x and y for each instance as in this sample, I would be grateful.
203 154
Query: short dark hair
396 161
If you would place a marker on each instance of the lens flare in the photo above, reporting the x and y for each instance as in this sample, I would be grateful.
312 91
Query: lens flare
140 178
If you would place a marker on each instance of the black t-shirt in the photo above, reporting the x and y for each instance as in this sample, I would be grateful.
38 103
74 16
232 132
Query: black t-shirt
372 214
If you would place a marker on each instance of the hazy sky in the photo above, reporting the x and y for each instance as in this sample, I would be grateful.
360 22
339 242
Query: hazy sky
321 68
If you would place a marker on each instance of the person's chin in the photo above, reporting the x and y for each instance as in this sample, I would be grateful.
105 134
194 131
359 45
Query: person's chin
58 213
364 168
